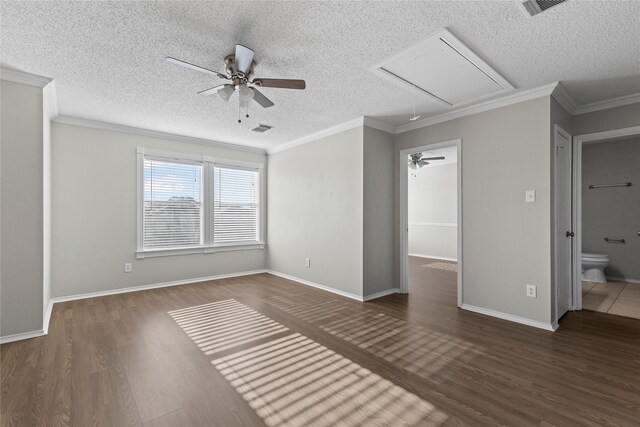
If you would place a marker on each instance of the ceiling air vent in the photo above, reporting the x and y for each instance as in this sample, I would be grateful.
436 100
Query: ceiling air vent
534 7
261 128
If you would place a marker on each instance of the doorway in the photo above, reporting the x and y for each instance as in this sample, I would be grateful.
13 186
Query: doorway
431 234
598 190
569 235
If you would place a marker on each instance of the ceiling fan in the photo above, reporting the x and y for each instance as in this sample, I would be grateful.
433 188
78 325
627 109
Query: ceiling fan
417 161
239 69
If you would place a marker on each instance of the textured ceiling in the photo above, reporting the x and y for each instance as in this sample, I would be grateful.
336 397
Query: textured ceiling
107 57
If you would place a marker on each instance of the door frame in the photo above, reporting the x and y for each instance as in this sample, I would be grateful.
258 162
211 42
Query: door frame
403 175
572 304
578 141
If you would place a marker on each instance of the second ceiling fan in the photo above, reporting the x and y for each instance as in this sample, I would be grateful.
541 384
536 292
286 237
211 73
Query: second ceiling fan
239 68
417 161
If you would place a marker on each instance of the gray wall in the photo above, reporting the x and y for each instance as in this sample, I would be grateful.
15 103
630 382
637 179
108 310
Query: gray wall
433 211
94 215
315 203
612 212
21 194
378 213
506 242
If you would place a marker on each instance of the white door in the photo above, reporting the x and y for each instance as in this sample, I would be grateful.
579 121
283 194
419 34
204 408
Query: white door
564 233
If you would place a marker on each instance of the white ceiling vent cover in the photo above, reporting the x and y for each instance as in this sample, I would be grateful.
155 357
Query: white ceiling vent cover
446 71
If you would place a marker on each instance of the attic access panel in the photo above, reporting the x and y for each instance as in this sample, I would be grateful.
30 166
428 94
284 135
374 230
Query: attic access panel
445 70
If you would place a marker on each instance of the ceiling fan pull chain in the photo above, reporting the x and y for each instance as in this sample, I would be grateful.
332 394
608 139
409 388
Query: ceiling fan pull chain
239 112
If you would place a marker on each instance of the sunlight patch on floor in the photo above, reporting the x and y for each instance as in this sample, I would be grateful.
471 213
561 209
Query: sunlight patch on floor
412 347
293 380
225 324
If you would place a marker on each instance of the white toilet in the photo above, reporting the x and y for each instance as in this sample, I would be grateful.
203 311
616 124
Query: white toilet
593 266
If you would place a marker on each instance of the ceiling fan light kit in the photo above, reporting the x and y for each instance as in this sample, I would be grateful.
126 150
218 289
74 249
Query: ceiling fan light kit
239 71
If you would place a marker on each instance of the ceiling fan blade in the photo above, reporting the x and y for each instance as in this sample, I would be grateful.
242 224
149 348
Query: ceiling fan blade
261 99
244 58
195 67
433 158
281 83
225 91
212 91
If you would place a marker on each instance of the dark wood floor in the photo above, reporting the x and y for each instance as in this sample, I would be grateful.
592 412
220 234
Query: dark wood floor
258 345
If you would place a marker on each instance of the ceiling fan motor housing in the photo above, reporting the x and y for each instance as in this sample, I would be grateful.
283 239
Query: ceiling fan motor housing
237 76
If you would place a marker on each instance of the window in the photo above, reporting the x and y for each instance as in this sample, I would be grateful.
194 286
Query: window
195 204
172 204
235 206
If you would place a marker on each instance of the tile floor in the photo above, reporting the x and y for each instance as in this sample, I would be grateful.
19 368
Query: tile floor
619 298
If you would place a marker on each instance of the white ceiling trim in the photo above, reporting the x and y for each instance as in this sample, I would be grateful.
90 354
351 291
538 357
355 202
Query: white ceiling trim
377 124
18 76
357 122
562 96
608 103
554 89
509 99
51 100
77 121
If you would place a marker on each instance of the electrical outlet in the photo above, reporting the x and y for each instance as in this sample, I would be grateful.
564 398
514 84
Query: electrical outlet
307 262
532 291
127 267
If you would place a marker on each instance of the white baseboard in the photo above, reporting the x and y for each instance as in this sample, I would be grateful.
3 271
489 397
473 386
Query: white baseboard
22 336
381 294
316 285
623 279
154 286
434 257
47 316
512 318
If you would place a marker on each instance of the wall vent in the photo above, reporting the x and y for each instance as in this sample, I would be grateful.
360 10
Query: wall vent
534 7
261 128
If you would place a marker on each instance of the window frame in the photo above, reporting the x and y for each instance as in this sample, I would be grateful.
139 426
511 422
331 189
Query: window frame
208 163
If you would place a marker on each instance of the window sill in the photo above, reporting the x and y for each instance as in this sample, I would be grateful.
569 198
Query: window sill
152 253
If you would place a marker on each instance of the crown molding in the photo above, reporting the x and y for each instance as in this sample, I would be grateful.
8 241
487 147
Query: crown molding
357 122
503 101
77 121
608 103
561 95
377 124
25 78
50 100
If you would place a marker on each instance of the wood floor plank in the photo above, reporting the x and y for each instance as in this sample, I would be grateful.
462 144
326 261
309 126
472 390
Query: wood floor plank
124 360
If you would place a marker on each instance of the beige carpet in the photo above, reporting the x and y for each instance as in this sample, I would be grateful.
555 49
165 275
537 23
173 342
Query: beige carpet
449 266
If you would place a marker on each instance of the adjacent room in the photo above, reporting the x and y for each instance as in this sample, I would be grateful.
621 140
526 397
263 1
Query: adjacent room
610 243
432 213
372 213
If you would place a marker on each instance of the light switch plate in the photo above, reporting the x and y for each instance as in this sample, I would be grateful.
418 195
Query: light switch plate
530 196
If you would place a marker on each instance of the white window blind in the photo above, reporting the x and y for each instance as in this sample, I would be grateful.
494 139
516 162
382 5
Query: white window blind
172 203
236 202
